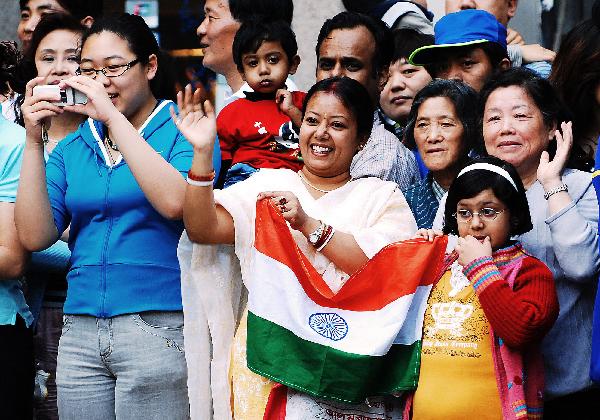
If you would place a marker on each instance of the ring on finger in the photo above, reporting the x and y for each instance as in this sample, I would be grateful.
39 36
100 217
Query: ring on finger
282 201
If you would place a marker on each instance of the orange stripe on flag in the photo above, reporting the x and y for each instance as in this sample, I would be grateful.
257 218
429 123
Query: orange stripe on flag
395 271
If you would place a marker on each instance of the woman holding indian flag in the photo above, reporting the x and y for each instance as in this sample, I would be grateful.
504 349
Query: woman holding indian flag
319 319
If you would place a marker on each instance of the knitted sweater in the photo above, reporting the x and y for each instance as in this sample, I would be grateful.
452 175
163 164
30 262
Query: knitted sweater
517 294
567 242
532 299
519 300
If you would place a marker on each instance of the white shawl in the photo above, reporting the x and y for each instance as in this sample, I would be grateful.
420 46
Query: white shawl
374 211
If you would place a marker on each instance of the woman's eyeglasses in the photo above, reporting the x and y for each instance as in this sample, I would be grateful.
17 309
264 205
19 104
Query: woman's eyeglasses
486 214
108 71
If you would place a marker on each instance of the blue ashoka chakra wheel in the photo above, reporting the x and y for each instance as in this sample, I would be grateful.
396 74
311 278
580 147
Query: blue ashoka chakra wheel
330 326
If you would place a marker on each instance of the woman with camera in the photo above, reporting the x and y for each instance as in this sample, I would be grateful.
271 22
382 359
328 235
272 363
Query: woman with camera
54 56
16 351
118 182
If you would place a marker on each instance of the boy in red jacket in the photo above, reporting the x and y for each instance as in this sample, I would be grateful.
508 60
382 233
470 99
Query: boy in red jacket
260 130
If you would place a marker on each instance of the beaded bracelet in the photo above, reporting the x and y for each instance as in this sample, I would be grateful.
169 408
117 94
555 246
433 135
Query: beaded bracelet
553 191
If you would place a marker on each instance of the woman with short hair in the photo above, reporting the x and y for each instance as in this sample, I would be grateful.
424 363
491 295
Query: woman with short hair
521 117
443 126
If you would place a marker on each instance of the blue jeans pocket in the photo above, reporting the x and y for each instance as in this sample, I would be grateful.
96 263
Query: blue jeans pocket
67 322
164 325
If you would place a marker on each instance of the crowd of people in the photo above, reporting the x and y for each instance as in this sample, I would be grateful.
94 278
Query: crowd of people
137 280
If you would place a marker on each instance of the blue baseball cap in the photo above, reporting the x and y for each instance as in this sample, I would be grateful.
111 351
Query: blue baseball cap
467 27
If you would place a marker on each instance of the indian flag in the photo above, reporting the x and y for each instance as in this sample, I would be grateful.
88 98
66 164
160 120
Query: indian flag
363 341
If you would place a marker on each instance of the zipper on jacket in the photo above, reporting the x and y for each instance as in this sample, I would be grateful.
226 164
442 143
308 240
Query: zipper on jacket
106 237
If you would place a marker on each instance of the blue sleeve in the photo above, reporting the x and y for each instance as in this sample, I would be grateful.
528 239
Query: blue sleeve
574 232
423 170
54 259
595 359
217 158
11 157
181 155
183 152
56 183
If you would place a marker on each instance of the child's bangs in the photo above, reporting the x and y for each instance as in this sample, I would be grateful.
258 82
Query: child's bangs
471 183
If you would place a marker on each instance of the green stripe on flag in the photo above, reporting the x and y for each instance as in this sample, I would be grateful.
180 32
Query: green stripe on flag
321 371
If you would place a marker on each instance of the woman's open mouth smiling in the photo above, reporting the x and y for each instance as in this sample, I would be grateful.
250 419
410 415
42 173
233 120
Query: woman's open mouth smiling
320 150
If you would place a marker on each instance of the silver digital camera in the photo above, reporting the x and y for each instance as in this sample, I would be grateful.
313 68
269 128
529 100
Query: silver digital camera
68 95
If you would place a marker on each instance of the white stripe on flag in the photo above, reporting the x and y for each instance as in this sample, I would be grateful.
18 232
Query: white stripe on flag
278 297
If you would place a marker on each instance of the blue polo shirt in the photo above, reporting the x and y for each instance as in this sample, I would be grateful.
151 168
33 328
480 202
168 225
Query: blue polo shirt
12 143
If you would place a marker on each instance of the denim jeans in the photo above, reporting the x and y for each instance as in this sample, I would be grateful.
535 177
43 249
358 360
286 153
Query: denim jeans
125 367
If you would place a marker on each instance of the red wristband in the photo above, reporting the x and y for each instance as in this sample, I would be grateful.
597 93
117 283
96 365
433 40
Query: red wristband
201 178
324 235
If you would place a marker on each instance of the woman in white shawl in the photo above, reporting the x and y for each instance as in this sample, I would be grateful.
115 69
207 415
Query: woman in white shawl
337 222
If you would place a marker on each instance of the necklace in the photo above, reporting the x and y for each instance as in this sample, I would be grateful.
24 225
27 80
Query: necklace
313 187
112 144
45 138
110 157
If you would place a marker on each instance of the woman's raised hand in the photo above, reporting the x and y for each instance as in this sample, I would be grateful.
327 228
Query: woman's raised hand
549 171
289 206
196 121
99 106
37 109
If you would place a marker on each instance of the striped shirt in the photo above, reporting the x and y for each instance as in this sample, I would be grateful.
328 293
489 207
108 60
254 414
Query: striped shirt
385 157
515 55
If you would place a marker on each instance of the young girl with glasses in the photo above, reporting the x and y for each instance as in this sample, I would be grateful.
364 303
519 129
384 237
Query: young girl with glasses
118 182
490 307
